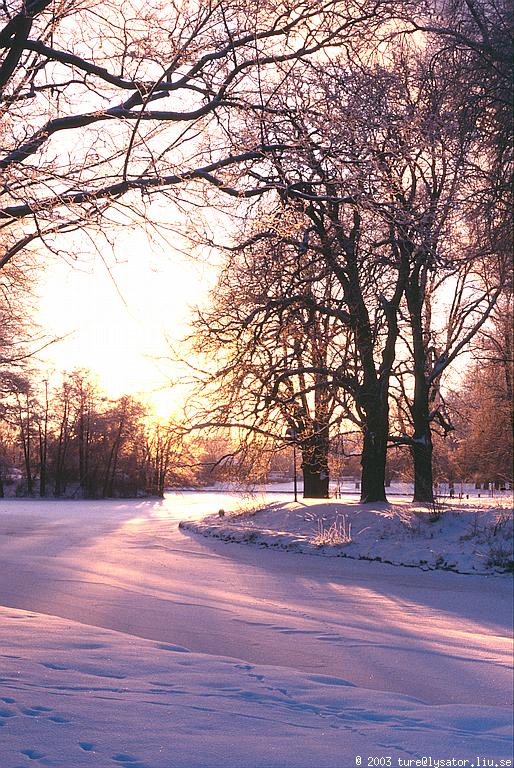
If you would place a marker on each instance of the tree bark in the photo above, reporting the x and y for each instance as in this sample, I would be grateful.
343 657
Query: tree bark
315 482
373 462
422 450
421 447
315 468
423 474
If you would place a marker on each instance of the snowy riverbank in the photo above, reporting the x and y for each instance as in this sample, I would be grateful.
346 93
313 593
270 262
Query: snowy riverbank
462 536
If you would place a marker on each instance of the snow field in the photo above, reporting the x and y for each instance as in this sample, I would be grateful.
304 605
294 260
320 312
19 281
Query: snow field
72 695
125 641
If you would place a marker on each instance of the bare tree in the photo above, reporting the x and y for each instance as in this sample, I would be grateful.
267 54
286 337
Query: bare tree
85 123
475 38
25 424
459 234
485 418
378 159
42 420
64 419
275 352
329 169
482 405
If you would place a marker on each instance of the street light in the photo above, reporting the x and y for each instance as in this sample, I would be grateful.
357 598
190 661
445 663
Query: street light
292 436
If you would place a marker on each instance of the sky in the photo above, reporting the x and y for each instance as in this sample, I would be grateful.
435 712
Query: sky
117 315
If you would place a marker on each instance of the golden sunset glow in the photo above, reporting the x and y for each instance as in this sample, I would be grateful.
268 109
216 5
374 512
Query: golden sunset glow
117 316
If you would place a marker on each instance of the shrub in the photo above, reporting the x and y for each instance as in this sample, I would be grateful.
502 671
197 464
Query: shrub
501 557
340 532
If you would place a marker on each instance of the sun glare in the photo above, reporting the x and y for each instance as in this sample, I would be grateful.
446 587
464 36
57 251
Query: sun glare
121 321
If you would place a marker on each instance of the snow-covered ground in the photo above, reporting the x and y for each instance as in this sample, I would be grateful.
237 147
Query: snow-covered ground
463 535
125 641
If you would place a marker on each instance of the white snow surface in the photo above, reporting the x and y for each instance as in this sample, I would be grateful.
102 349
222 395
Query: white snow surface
460 535
126 641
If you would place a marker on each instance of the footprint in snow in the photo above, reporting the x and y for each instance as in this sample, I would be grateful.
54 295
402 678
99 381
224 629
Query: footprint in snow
88 646
87 746
128 760
32 754
5 712
8 700
283 691
100 672
169 647
35 711
326 680
59 719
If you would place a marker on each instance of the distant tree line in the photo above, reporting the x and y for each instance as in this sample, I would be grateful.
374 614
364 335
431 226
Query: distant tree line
71 440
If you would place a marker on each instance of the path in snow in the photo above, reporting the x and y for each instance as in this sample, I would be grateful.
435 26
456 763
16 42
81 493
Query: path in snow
440 637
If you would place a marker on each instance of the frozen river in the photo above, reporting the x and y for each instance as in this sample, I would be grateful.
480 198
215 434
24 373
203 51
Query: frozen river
126 566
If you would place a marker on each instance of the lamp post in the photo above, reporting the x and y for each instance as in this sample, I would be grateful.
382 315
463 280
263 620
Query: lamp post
292 435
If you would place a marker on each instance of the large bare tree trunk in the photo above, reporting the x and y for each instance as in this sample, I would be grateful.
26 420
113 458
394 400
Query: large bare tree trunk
421 447
423 472
315 469
373 460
